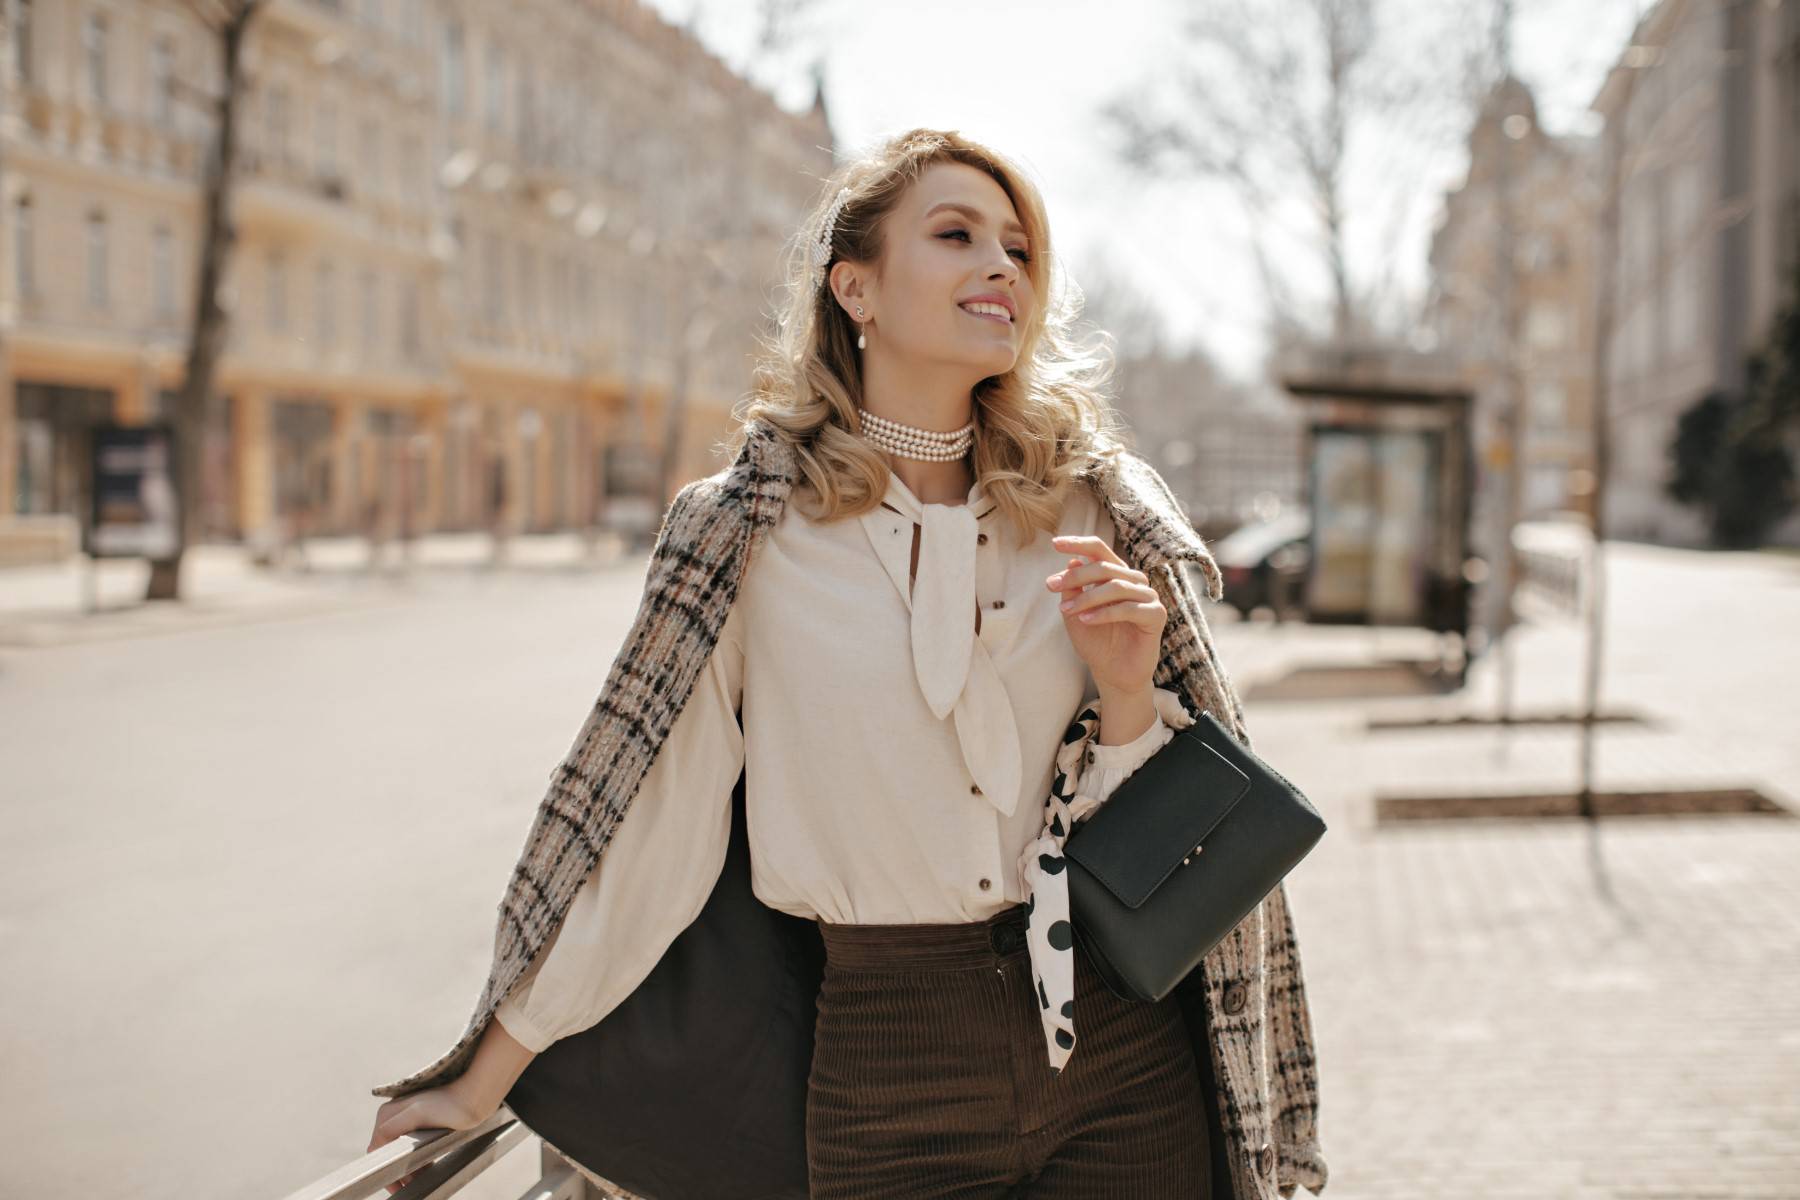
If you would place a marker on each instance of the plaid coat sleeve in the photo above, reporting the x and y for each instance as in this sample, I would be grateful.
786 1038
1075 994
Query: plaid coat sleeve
1293 1066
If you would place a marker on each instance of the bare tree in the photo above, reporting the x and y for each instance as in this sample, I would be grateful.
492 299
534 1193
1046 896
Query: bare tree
1269 95
782 28
230 22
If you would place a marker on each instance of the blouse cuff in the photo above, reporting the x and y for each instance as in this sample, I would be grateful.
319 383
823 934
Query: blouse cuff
1132 753
1170 716
523 1029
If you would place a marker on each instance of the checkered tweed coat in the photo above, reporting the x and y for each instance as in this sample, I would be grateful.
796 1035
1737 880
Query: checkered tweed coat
1261 1030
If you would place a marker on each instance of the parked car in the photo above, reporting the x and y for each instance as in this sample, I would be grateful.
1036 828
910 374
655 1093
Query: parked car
1265 562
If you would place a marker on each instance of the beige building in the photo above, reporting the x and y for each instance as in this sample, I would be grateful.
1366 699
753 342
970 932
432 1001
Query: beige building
1553 198
1703 109
482 251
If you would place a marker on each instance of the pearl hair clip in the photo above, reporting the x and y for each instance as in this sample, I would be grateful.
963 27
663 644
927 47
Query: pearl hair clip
821 251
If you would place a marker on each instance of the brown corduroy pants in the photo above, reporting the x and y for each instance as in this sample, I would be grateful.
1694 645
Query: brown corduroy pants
930 1078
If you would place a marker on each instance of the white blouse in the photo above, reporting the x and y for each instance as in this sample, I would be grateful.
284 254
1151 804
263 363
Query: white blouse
897 759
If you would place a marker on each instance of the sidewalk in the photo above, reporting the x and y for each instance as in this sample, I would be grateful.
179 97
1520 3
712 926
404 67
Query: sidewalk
223 585
1537 1008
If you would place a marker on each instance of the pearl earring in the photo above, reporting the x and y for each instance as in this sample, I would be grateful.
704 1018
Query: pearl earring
862 338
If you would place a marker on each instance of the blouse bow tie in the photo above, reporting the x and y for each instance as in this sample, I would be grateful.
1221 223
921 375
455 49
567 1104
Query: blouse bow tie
955 673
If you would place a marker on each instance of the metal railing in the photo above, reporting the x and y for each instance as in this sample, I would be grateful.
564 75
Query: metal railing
1555 562
446 1161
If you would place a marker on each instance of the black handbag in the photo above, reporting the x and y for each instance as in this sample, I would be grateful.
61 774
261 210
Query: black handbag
1181 851
694 1087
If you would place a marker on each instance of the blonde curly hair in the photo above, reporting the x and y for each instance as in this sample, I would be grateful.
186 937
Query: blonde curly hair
1035 426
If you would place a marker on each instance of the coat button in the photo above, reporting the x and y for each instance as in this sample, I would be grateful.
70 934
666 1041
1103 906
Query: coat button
1235 996
999 604
974 789
1265 1159
981 539
985 884
1090 758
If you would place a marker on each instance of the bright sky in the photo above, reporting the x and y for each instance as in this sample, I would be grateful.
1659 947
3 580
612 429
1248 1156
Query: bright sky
1027 76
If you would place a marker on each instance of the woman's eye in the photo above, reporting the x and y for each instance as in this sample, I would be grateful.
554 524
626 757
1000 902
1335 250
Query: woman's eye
1023 254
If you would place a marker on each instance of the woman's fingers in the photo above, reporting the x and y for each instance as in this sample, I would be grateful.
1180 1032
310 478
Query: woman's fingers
383 1118
1113 591
1147 614
1085 544
1078 573
392 1119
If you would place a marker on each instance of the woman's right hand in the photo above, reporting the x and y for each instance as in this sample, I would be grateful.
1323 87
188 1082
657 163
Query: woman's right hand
465 1101
446 1107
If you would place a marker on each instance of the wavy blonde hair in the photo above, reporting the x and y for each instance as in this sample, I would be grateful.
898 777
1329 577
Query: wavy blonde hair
1035 425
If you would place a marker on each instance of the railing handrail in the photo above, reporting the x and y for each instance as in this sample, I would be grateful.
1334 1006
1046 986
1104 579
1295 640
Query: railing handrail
442 1162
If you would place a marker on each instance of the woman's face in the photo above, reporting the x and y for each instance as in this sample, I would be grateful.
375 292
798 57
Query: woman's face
953 238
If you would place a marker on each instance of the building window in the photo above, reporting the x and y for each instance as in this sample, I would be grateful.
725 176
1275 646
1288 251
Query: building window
584 302
371 312
24 249
96 259
325 305
370 152
162 83
452 67
93 47
494 293
1549 405
20 13
278 292
162 271
1545 327
491 93
326 131
527 287
409 321
275 124
527 117
412 166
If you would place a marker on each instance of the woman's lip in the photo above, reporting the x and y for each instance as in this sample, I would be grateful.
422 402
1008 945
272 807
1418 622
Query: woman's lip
987 316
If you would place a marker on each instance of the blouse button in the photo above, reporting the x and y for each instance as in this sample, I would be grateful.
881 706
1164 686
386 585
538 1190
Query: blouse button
985 884
974 789
1090 758
999 604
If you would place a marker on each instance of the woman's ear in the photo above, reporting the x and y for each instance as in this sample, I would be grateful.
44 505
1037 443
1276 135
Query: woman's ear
846 287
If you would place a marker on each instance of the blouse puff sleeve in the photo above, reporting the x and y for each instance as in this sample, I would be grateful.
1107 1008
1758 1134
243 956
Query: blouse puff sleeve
661 865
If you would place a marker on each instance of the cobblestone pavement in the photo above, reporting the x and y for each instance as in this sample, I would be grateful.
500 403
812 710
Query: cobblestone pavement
1532 1008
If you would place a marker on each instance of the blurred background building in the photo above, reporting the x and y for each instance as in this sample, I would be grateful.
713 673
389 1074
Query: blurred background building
1545 346
482 249
1230 450
1703 110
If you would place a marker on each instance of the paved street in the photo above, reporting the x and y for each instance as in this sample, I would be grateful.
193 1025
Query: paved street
250 866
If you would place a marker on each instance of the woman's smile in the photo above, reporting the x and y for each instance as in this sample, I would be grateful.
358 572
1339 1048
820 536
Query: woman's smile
991 314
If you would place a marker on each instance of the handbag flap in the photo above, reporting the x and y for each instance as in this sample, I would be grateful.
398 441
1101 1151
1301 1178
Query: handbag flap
1158 816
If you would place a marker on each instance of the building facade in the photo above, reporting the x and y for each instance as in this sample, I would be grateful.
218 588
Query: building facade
1703 113
481 252
1548 337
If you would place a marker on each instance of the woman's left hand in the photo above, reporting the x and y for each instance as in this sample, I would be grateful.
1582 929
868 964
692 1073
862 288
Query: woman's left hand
1117 624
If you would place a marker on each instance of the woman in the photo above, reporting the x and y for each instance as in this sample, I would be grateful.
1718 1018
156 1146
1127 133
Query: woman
971 628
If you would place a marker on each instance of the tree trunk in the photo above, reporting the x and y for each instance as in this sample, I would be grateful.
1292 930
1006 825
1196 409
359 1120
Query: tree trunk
206 342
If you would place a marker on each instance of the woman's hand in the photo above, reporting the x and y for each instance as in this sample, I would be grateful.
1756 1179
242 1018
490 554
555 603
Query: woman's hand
1116 624
446 1107
465 1101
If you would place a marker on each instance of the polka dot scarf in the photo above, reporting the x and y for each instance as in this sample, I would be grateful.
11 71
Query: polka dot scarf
1049 934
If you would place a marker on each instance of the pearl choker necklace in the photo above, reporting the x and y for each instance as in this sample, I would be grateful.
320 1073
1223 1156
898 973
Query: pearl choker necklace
909 441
